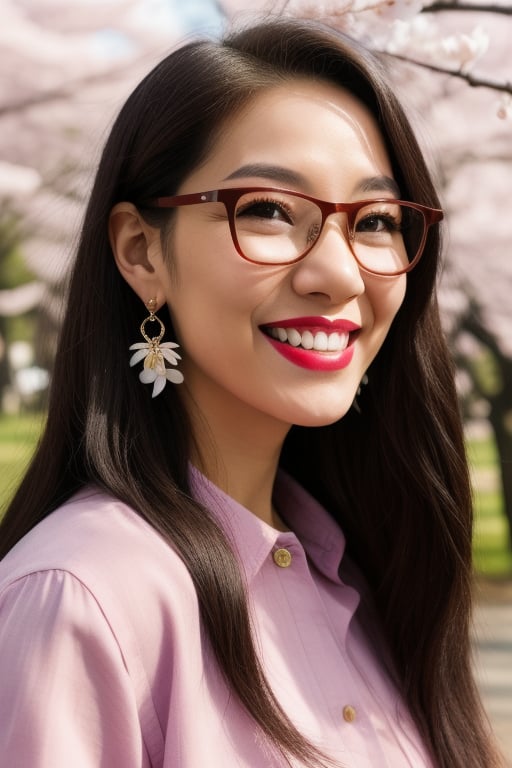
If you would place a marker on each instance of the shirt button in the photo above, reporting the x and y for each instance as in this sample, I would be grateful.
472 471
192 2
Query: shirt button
349 714
282 558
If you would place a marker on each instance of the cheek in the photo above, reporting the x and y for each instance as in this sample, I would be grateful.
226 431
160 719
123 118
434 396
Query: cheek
209 276
385 297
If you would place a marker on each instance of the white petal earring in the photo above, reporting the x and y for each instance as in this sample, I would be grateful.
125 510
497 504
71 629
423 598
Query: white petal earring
363 383
156 354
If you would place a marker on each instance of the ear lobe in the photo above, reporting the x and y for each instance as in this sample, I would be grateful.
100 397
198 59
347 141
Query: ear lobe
135 246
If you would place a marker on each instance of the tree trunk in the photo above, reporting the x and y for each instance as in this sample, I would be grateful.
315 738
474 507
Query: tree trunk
4 367
500 405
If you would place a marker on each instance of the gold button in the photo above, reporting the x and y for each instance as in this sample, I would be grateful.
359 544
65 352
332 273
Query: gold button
349 714
282 558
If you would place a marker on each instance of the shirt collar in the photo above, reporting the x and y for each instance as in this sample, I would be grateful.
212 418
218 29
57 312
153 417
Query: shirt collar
253 540
322 538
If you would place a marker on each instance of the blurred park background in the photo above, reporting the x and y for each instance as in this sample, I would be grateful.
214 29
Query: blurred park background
66 68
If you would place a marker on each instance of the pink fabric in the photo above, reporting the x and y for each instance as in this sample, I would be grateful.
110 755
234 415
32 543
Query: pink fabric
103 663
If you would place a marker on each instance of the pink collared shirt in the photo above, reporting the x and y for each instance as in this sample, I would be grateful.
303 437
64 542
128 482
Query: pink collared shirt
103 662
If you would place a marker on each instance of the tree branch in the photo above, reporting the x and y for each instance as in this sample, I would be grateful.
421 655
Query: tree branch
34 100
472 80
453 5
68 89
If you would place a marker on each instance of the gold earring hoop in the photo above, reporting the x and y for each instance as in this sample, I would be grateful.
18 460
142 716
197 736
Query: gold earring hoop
155 354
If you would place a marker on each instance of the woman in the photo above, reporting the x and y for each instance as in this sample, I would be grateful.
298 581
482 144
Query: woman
232 566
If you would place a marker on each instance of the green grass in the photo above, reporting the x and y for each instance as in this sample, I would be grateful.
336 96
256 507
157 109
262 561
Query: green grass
482 453
491 553
18 436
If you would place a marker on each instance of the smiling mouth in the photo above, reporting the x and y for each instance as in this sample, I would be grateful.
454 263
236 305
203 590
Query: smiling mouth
318 341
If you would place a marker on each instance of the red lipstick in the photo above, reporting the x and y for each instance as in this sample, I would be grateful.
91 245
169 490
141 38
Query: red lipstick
315 324
302 331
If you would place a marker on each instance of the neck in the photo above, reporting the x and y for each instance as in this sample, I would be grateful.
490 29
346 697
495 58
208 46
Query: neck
241 456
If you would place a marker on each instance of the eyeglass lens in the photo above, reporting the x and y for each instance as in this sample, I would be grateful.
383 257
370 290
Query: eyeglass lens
277 228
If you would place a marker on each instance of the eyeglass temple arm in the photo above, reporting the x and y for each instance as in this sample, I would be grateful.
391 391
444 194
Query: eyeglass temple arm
175 201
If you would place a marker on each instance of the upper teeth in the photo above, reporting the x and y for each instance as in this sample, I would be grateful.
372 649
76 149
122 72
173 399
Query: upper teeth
319 341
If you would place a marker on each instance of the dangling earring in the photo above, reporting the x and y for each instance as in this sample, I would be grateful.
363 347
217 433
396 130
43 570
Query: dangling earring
363 383
155 354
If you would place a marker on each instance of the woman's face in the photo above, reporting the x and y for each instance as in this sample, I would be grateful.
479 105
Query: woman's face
229 314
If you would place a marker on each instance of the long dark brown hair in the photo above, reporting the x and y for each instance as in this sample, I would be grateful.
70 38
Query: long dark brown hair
395 476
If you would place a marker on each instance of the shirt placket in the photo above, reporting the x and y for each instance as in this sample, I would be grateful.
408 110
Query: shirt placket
335 710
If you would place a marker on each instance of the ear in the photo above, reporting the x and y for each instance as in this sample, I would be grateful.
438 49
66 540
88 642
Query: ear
137 252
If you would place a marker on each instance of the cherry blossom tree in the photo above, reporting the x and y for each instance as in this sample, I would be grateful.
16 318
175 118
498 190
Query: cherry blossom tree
66 69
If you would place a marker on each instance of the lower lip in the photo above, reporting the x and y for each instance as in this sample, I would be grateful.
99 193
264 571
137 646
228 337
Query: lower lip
311 359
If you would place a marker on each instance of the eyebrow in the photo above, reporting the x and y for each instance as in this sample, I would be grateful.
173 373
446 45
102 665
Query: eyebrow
283 175
271 172
379 184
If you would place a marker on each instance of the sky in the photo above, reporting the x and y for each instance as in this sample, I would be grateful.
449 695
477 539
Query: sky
195 15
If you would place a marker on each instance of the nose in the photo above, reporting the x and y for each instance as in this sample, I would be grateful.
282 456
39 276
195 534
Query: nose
330 270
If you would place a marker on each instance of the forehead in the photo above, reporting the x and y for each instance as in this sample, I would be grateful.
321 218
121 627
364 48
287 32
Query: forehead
302 124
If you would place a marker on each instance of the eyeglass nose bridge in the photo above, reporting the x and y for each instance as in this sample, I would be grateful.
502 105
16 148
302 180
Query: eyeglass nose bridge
328 209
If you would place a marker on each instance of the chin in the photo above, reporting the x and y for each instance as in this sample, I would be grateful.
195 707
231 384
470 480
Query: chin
322 418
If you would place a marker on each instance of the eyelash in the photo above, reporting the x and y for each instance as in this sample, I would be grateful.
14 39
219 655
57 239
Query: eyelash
267 201
384 217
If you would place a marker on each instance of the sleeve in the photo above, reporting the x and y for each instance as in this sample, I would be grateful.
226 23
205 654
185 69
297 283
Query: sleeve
65 694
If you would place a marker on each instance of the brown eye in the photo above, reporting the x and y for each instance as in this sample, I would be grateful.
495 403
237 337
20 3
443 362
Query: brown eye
378 222
264 209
